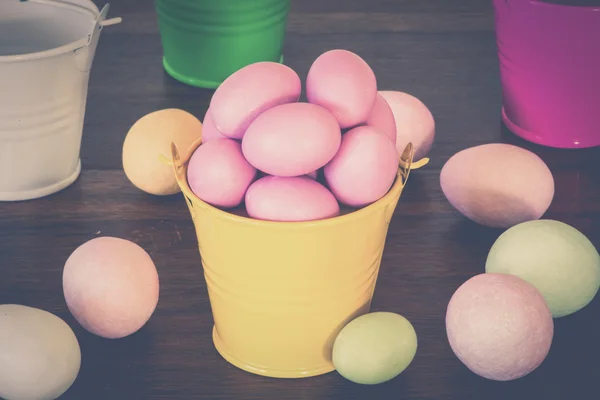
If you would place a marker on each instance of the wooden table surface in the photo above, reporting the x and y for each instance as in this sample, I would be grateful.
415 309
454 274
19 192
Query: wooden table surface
438 50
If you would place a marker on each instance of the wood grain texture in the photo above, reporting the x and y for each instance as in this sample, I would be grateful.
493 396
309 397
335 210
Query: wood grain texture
441 51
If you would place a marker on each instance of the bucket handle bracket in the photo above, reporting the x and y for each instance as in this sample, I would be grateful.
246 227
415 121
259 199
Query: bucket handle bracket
178 167
405 165
84 56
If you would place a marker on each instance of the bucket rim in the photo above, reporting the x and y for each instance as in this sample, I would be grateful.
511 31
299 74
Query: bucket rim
89 8
570 7
390 198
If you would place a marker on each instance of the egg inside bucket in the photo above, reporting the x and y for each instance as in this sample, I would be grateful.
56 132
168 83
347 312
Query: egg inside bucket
249 92
301 198
209 130
499 326
364 168
374 348
219 174
344 84
292 139
560 261
111 286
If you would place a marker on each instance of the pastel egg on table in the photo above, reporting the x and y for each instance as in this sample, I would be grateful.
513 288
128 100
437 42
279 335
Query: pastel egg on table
40 357
374 348
498 185
111 286
559 260
499 326
148 140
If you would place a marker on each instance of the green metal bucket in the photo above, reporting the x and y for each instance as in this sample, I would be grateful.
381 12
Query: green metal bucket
205 41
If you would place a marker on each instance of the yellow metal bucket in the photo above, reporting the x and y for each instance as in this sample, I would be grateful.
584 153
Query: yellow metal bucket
280 292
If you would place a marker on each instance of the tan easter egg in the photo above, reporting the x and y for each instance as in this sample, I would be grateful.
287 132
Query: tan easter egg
149 140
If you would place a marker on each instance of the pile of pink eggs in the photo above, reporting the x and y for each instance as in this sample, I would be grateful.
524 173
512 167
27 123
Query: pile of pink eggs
288 160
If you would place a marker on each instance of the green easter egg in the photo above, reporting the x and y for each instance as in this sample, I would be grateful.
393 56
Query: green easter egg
374 348
556 258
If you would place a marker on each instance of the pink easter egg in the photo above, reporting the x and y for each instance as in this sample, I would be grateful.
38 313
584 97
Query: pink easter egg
250 91
382 118
219 174
499 326
290 199
209 130
364 168
343 83
498 185
414 122
111 286
292 139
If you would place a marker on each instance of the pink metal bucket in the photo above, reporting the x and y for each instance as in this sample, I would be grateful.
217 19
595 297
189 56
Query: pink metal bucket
550 71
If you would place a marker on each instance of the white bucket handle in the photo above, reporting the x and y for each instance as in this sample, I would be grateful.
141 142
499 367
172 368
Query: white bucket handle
78 7
84 54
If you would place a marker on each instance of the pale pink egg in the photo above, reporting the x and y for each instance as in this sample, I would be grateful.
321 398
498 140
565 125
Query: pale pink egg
209 130
499 326
248 92
343 83
498 185
219 174
414 122
364 168
290 199
382 118
292 139
111 286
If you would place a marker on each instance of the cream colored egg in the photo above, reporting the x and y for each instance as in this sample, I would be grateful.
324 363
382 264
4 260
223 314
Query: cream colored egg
39 354
149 139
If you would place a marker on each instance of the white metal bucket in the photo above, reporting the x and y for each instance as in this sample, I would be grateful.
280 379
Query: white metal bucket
46 52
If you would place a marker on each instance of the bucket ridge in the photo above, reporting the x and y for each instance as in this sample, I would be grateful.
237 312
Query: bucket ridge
285 296
217 274
24 126
188 19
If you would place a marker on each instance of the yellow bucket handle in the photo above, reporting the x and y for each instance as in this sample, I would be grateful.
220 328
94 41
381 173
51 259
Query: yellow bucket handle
164 160
177 162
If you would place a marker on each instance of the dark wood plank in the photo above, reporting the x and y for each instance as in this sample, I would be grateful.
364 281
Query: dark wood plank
441 51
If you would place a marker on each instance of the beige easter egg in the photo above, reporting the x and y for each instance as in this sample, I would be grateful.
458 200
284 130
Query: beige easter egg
39 354
149 139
